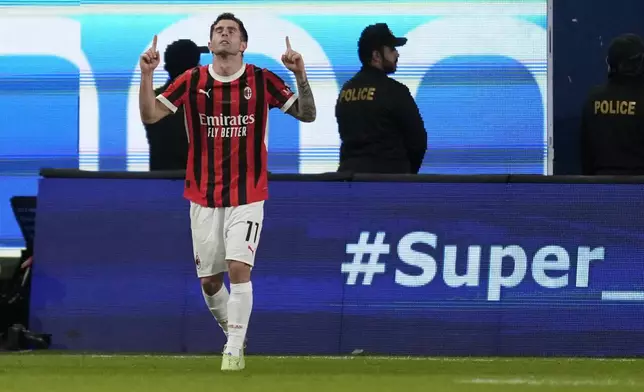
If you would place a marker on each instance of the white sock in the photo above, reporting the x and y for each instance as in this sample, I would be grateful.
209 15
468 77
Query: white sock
218 305
240 305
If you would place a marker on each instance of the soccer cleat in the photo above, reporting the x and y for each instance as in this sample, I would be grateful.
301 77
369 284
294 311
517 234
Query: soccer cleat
230 362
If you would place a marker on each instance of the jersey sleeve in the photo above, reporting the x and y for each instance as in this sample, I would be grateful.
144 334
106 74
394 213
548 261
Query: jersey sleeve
279 94
177 92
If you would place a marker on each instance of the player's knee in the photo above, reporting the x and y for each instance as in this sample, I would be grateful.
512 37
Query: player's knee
212 284
238 272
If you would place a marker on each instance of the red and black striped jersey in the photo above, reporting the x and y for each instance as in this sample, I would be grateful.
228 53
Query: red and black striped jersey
226 119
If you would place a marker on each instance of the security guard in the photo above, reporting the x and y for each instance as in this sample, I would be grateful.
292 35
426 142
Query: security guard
379 123
168 139
612 131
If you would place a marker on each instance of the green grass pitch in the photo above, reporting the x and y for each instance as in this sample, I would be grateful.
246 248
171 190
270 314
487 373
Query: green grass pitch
55 372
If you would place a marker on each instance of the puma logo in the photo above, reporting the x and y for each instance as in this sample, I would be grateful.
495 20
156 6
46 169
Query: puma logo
251 249
206 93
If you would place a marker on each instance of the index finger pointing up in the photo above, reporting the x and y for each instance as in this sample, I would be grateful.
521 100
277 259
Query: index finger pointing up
288 43
154 43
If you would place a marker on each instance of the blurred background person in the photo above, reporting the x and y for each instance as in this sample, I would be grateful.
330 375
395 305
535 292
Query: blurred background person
168 139
380 126
612 129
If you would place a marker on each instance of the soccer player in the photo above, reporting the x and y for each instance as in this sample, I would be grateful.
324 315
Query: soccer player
226 106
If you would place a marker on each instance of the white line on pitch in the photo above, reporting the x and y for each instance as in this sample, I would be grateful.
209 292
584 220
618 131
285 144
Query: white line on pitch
550 382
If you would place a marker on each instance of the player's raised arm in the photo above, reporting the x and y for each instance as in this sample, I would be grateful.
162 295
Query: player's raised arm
304 106
150 108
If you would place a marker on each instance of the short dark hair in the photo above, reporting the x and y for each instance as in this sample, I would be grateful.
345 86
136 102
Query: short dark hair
230 16
181 55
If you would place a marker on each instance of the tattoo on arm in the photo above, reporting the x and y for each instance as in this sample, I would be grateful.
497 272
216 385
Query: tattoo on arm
304 107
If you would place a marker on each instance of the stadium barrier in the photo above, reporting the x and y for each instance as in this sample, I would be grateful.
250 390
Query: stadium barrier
502 265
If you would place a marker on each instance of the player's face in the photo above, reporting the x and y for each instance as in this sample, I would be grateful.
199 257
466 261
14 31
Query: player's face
390 59
226 39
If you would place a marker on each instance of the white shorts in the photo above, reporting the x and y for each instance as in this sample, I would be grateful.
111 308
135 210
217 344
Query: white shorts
224 233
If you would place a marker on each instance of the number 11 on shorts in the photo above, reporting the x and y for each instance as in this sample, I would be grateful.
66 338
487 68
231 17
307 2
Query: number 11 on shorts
249 234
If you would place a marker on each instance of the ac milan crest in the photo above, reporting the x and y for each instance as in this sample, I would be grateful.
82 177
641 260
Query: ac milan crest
248 93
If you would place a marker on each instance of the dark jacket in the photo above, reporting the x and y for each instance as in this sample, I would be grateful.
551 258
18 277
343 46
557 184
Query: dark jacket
168 140
612 130
380 126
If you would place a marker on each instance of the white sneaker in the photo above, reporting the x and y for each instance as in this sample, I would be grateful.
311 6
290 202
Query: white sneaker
230 362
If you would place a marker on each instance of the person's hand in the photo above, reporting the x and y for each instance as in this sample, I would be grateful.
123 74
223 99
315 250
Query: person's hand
292 59
150 59
27 263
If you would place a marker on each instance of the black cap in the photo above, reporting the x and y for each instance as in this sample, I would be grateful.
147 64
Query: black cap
376 36
624 48
182 55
